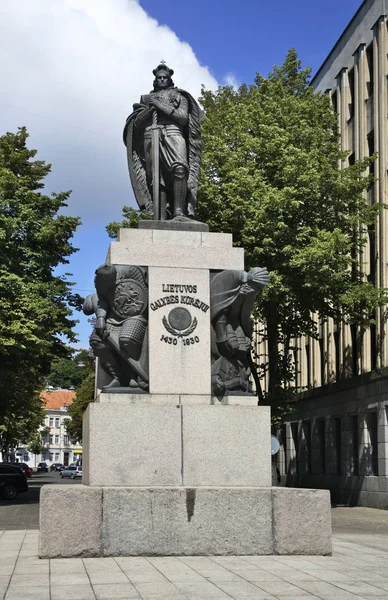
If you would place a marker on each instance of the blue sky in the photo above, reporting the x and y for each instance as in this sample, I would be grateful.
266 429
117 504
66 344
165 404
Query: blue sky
79 65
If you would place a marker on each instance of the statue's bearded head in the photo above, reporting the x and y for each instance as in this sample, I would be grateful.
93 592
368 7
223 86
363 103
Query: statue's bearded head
163 77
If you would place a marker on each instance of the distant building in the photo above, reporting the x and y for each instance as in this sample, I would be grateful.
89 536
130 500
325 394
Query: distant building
337 436
57 447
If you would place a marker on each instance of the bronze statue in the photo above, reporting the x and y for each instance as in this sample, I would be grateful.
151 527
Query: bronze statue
163 140
232 294
119 338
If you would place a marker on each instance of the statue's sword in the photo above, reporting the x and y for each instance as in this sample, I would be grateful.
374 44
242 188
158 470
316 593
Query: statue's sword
107 338
155 165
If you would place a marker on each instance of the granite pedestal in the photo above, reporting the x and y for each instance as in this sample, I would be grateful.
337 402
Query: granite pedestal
177 471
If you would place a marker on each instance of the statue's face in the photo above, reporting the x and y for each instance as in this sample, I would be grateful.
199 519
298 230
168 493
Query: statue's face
162 80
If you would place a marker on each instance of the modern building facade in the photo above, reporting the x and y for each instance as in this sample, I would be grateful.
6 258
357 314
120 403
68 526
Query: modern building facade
337 436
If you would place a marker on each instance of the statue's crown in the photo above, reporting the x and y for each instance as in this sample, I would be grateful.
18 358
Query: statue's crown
163 67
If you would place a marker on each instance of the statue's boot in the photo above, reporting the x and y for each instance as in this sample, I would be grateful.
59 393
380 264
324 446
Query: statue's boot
180 191
113 384
111 371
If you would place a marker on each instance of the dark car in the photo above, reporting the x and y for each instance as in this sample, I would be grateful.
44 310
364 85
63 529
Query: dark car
42 467
12 481
25 467
57 467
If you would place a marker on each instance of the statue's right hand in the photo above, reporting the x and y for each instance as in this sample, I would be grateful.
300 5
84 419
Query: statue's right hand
100 326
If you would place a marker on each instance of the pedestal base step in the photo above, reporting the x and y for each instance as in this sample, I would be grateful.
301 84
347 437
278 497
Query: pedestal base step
179 521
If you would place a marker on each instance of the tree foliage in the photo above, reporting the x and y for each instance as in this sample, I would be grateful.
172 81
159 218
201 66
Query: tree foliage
35 303
68 372
84 395
270 176
35 446
131 218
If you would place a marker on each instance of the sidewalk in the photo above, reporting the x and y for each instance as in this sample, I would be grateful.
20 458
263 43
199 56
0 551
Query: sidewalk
358 569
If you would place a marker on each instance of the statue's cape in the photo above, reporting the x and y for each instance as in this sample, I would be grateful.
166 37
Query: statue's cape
225 289
136 160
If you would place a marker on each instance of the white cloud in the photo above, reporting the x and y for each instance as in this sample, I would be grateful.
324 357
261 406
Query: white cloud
71 70
231 79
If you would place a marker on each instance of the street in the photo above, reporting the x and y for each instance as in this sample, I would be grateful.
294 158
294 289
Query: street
23 511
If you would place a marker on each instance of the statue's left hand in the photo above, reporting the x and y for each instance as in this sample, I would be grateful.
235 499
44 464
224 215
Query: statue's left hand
100 326
155 103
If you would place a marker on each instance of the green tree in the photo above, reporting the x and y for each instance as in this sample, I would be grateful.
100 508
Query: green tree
68 372
35 445
35 303
131 218
270 176
84 395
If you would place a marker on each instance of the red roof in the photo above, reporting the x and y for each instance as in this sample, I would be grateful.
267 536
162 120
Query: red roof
57 398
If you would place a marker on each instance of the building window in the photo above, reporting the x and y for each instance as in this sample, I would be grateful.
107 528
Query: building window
322 445
306 428
334 100
370 444
51 456
57 439
56 421
354 336
295 439
26 457
370 76
65 439
308 366
322 352
57 456
351 93
51 422
355 444
50 439
338 445
337 348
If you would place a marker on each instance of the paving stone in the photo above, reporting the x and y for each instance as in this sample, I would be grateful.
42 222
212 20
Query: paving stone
115 590
67 577
362 589
108 577
282 588
139 570
97 565
28 593
31 580
159 591
60 565
72 592
244 589
327 591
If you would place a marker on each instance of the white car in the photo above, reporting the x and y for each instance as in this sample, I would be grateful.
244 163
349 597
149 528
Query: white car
71 471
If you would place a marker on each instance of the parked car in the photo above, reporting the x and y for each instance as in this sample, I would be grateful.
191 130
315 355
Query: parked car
13 480
42 467
27 470
57 467
71 471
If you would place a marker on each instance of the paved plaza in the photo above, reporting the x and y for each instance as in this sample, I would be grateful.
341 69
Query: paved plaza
358 569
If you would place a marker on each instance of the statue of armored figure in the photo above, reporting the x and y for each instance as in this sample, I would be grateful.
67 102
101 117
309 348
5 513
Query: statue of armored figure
163 140
119 338
232 295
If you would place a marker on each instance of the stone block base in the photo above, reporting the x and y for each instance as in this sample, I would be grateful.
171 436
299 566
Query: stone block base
182 521
175 440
